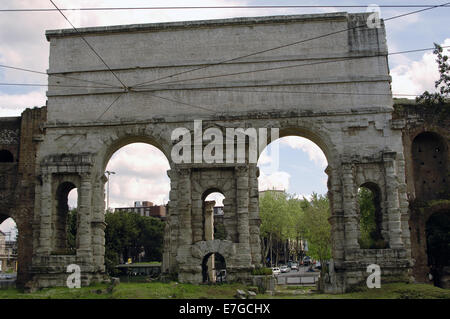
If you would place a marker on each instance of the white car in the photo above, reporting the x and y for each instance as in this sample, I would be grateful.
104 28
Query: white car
285 268
275 270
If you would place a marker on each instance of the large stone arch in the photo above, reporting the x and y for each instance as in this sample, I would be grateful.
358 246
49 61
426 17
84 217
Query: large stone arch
354 131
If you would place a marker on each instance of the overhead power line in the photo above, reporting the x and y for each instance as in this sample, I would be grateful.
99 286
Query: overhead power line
283 46
292 66
54 75
215 7
55 85
90 46
145 88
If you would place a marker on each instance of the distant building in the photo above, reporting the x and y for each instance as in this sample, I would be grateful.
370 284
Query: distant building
8 253
145 208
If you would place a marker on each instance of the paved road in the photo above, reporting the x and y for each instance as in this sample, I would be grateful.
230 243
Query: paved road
302 276
302 270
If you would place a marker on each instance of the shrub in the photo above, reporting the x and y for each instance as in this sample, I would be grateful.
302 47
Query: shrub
263 271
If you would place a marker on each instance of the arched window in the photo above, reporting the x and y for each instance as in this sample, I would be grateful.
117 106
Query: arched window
293 184
213 213
137 189
65 220
213 268
371 217
8 244
6 156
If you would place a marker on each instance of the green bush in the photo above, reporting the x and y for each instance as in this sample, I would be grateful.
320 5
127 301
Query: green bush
262 271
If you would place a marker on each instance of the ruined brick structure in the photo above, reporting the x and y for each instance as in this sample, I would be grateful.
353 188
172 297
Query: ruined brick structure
19 139
86 125
426 140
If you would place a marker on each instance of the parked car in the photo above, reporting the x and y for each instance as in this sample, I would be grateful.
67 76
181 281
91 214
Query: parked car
284 268
294 266
275 270
307 261
318 265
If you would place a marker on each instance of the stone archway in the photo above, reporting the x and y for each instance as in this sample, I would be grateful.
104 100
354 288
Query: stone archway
83 129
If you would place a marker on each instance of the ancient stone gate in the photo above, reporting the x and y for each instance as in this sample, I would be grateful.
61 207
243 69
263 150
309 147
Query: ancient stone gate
333 90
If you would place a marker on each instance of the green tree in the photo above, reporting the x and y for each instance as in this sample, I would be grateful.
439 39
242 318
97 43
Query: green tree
126 236
370 235
72 230
318 228
442 85
273 229
367 218
296 225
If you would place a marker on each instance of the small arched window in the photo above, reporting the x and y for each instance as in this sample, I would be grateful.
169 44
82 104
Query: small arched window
370 214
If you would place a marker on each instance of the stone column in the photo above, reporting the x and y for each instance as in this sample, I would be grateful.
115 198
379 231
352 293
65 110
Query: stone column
209 220
403 202
98 224
45 243
172 225
336 219
255 221
209 235
197 218
84 232
242 201
392 207
184 206
349 205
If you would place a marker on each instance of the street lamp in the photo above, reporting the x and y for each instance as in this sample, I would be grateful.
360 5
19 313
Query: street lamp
107 195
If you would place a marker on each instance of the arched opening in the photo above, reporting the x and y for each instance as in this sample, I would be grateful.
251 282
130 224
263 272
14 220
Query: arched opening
370 217
438 248
214 268
430 162
6 156
8 249
136 195
72 220
293 204
213 215
65 223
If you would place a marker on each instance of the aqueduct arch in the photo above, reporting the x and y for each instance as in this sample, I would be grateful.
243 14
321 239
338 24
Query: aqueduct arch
85 125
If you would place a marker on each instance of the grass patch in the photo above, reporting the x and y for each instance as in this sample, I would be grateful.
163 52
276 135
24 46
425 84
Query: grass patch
173 290
387 291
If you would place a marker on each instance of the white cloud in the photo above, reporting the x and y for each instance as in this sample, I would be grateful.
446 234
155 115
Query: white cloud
314 152
277 180
264 158
415 77
15 104
141 174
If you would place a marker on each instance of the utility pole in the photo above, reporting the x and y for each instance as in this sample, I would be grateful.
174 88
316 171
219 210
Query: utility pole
107 191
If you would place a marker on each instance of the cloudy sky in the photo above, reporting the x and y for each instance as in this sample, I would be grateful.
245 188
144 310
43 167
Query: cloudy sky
140 169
